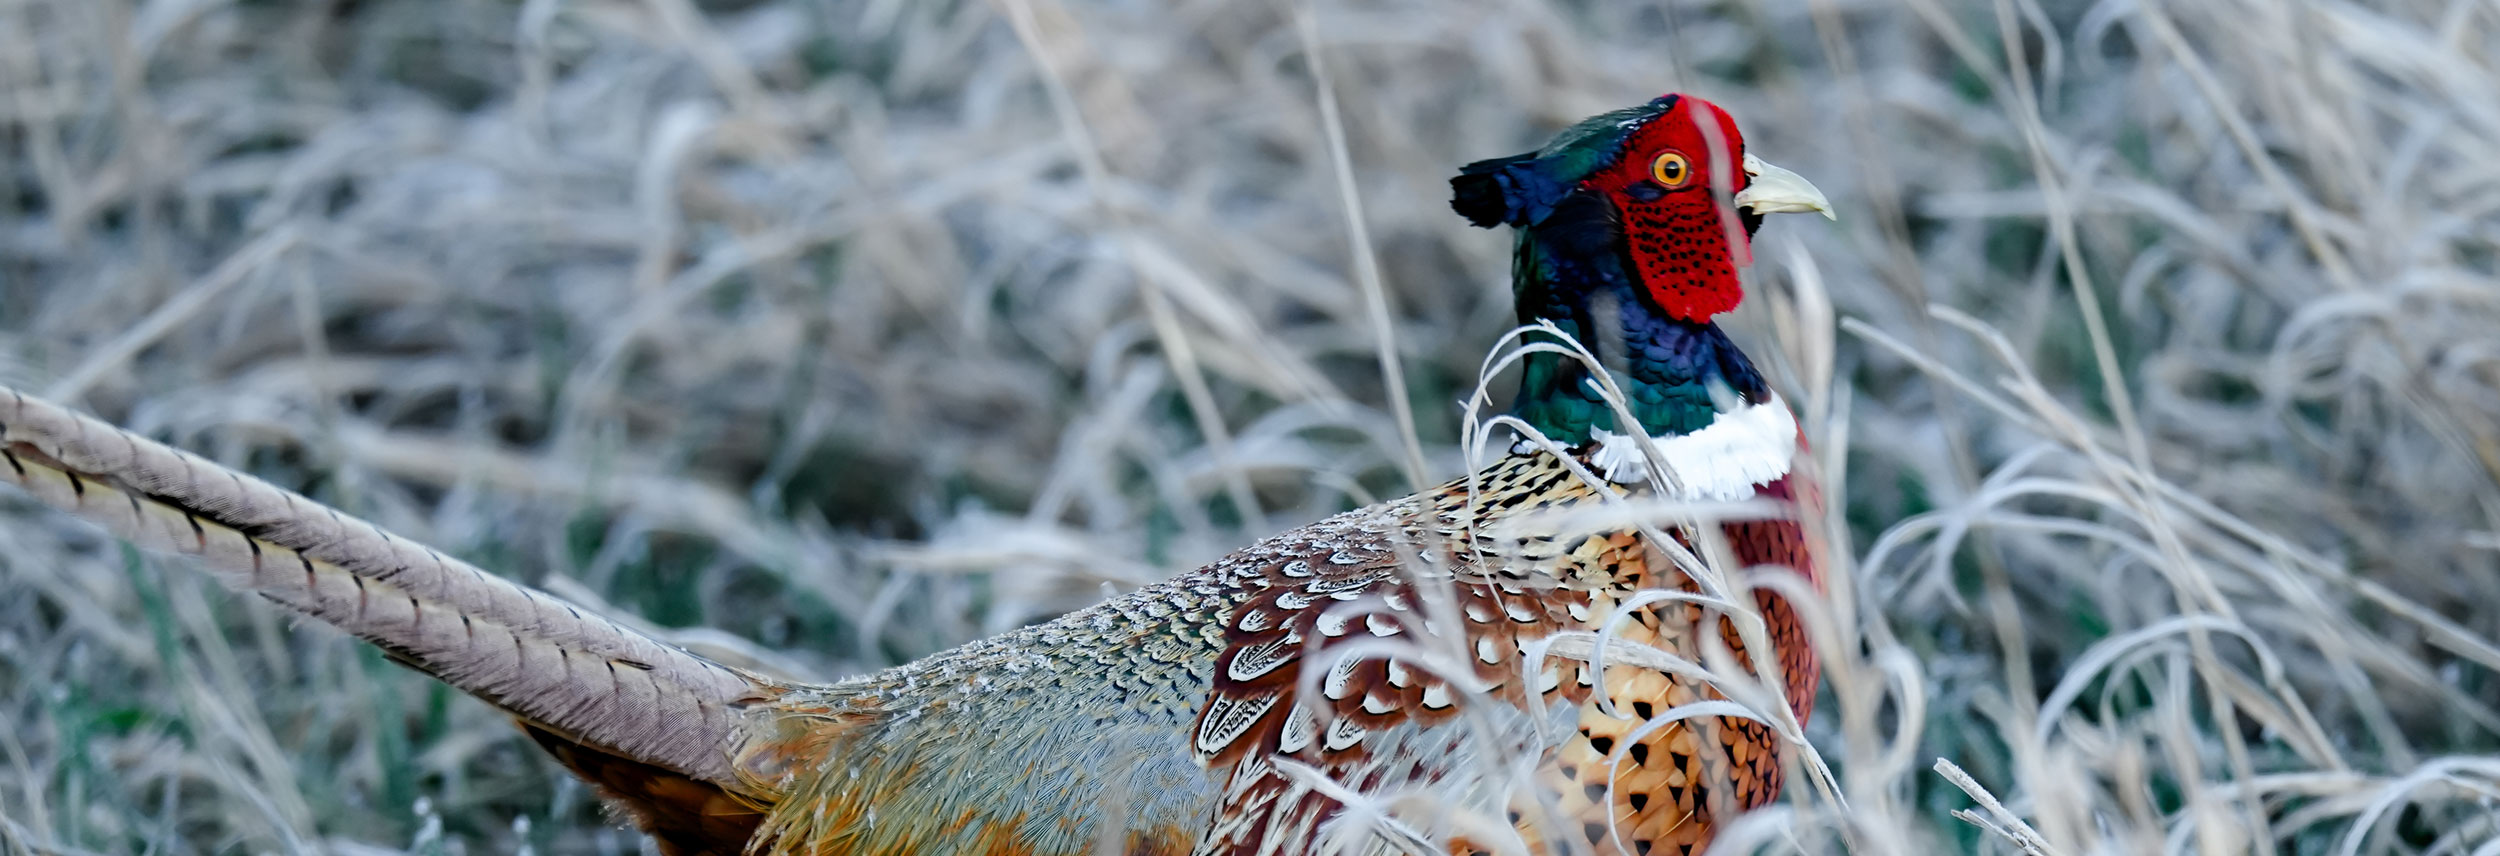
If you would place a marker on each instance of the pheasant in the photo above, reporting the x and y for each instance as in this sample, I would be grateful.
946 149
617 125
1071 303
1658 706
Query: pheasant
1423 675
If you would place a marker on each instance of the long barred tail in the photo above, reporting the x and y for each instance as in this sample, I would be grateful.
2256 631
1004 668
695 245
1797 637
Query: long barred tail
570 674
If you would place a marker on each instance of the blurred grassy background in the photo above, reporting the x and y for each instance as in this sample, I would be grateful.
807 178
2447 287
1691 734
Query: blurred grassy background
857 329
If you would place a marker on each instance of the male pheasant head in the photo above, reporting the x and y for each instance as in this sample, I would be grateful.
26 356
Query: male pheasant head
1667 185
1632 227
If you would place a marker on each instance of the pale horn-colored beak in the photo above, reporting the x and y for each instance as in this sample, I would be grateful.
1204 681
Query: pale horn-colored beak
1778 191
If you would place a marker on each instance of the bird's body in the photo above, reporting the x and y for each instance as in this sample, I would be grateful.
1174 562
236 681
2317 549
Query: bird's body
1415 674
1042 737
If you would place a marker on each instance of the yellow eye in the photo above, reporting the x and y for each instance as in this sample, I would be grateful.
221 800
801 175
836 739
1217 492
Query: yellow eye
1671 170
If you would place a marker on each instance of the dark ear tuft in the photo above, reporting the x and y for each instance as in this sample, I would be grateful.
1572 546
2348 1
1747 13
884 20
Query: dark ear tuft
1492 192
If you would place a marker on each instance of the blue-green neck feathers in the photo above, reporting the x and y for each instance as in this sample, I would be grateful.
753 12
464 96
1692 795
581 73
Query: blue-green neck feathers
1667 367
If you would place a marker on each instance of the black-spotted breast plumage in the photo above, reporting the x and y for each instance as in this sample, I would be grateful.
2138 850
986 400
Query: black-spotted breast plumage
1295 680
1412 676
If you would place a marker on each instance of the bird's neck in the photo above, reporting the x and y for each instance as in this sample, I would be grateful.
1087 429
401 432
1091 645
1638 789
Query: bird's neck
1677 376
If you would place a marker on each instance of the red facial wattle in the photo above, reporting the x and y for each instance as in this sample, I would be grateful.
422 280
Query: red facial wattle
1680 236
